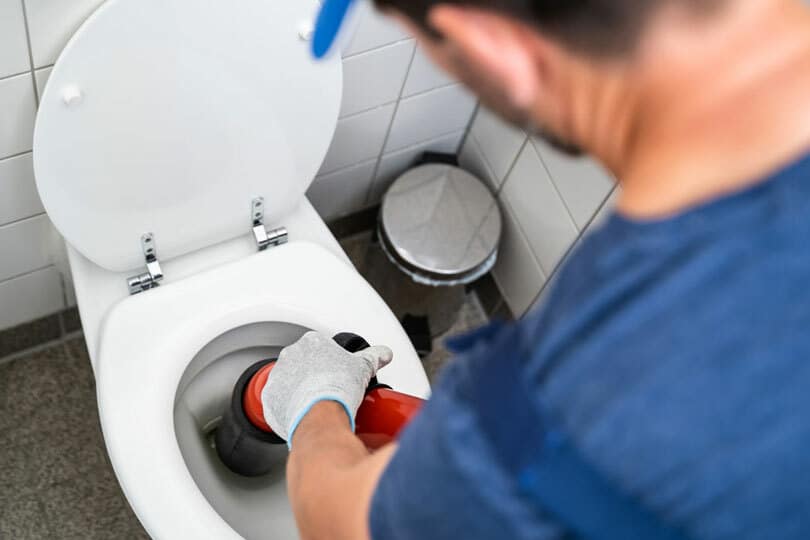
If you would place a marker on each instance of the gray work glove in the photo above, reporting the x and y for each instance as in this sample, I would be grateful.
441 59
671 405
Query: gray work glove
317 369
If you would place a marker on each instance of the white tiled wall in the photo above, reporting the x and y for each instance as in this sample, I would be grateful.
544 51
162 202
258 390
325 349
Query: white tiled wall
396 106
548 201
31 285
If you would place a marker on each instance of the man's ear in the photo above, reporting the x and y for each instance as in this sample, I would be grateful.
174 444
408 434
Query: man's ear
497 45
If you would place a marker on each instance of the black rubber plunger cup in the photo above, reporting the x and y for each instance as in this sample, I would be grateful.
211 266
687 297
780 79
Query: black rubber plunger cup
241 446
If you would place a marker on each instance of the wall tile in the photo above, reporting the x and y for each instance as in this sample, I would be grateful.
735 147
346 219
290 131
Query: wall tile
342 192
42 76
52 23
375 78
604 212
18 192
499 141
18 108
372 30
607 208
32 296
13 44
25 246
396 163
582 182
517 272
425 75
472 159
59 256
539 210
430 115
358 138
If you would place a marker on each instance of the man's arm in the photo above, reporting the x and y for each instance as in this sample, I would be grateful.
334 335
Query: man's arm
311 400
442 481
331 476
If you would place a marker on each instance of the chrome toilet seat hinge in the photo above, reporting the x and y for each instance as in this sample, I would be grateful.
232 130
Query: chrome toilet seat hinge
153 275
265 239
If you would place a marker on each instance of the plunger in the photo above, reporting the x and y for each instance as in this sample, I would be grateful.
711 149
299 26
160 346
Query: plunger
244 441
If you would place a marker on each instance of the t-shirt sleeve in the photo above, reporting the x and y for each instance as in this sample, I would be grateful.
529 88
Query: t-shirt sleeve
445 481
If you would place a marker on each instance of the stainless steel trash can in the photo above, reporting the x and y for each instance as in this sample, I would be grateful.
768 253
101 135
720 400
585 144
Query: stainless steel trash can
440 225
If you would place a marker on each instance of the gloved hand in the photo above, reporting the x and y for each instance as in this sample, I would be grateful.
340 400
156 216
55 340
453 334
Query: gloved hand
317 369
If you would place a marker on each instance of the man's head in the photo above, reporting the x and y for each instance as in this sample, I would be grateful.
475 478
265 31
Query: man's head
522 57
609 76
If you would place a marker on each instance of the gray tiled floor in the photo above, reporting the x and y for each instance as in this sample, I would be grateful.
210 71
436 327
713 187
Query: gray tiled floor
55 478
451 311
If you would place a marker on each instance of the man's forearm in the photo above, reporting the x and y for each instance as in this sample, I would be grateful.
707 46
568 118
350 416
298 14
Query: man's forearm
331 476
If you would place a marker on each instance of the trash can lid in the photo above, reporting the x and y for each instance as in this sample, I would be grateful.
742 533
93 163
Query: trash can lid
441 225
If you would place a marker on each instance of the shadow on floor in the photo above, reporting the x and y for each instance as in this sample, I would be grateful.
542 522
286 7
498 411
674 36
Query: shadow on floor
451 310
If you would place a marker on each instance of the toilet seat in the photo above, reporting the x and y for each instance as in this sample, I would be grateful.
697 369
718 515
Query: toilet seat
171 117
300 283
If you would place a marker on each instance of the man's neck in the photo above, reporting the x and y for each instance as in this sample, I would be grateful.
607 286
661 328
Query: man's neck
719 118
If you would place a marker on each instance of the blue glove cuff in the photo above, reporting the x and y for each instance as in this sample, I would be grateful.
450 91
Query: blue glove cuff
308 408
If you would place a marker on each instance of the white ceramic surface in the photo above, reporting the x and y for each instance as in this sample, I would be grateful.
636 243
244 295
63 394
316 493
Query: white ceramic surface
301 283
170 116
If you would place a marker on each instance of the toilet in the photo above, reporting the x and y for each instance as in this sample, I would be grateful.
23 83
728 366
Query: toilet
173 148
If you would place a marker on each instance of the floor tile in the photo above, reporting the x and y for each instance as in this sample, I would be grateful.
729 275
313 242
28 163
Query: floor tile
90 508
29 335
404 296
77 349
55 477
71 320
451 311
21 518
470 317
46 389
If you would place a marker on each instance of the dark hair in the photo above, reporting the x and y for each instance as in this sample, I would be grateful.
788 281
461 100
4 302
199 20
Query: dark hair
601 27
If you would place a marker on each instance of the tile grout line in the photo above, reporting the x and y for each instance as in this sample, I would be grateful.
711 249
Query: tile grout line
15 75
41 347
62 327
370 189
546 275
509 170
18 154
378 49
27 273
30 51
502 184
468 129
387 154
556 189
18 221
476 147
410 147
403 97
572 247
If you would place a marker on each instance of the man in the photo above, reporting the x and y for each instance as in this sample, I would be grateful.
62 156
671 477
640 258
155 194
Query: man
662 391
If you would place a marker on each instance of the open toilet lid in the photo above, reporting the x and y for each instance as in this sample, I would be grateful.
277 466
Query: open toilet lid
170 116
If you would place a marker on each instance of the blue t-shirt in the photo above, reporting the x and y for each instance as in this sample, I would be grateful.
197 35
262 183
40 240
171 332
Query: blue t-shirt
674 355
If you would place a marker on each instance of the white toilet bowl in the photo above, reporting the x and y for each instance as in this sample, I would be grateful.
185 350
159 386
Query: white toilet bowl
156 422
172 136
